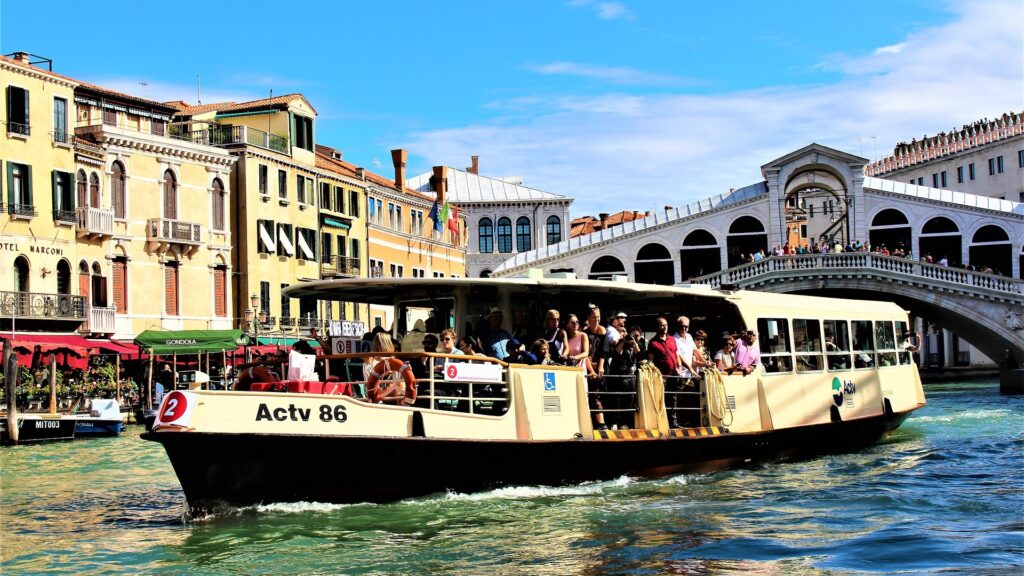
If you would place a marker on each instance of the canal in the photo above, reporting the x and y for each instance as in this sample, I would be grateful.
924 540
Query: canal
945 492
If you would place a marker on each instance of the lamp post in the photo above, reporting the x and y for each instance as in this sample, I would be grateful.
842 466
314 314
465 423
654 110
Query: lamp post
254 316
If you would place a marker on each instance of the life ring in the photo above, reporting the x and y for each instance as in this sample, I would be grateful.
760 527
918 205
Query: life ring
404 369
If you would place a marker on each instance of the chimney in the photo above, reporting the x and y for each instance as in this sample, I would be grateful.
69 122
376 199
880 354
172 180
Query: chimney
668 208
399 157
21 57
602 216
441 183
361 173
475 168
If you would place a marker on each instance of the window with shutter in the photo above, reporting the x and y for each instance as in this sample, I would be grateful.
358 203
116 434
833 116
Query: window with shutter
220 300
120 272
94 190
117 181
81 185
218 205
170 196
171 289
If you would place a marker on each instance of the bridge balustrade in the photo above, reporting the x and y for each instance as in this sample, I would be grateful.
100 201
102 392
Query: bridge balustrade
844 260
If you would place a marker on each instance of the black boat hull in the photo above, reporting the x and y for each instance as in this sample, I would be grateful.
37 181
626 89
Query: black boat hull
247 469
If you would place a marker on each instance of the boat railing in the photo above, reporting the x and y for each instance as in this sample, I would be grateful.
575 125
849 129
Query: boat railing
614 398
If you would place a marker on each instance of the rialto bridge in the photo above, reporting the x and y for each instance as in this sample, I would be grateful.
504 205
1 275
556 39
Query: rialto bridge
815 194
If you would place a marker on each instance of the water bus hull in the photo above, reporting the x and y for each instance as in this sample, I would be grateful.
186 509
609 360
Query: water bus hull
249 469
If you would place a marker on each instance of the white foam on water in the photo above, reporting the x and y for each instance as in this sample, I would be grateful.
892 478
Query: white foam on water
527 492
299 507
966 415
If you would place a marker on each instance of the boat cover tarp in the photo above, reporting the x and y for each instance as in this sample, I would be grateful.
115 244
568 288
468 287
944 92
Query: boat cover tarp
189 341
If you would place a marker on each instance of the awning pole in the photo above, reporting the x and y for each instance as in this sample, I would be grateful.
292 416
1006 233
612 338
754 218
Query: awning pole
53 384
117 376
149 397
174 372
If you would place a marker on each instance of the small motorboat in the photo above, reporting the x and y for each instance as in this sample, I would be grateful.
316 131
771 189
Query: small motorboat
104 419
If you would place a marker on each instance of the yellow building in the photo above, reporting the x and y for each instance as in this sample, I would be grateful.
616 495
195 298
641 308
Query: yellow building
136 215
274 218
38 249
402 240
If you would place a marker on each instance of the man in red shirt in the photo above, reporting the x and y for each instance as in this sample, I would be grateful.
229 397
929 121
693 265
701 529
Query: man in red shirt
663 353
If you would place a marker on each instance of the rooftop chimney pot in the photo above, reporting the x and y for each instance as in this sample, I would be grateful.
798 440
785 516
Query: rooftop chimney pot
475 168
399 156
22 57
441 183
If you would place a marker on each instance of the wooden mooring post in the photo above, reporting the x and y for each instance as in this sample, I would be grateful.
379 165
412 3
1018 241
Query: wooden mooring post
10 365
53 384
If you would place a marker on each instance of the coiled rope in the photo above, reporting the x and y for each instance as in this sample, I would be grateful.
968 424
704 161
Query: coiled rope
717 402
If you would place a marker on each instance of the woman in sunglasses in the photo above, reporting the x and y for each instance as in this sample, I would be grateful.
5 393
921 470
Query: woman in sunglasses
725 359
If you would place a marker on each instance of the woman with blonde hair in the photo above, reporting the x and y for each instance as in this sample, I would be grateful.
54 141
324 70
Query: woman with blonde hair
391 384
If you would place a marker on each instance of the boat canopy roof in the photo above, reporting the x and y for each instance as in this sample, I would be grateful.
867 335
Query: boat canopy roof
189 341
386 291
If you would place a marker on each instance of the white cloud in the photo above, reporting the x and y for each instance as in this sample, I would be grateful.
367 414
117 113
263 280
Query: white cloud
614 74
614 152
604 10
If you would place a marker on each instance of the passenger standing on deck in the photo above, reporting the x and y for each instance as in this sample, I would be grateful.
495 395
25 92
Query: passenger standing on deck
578 343
448 342
595 335
621 382
748 355
613 333
555 337
494 337
700 353
663 353
725 361
685 345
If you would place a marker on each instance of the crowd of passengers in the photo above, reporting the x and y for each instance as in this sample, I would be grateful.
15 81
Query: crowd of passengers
608 352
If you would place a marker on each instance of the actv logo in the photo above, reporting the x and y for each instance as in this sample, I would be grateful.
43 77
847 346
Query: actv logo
840 389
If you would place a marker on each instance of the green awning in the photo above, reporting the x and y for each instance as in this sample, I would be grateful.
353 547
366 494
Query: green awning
281 341
334 222
189 341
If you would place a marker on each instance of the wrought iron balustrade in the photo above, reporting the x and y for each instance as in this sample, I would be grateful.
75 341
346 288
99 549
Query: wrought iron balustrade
309 322
64 216
268 323
287 322
339 266
40 305
63 137
22 210
19 128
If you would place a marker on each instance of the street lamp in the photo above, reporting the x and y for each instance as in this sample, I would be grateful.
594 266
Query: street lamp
255 316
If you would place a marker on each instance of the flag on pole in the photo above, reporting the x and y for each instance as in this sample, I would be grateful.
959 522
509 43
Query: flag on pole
453 221
433 214
443 217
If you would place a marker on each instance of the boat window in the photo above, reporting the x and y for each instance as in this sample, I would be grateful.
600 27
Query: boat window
807 336
417 318
837 344
885 342
903 332
773 334
863 344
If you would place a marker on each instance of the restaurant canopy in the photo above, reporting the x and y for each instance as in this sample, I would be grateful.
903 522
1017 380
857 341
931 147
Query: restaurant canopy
189 341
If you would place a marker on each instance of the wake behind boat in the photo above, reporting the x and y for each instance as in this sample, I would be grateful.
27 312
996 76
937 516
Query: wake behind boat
830 378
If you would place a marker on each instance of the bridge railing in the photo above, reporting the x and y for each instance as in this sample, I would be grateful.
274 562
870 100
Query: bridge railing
854 260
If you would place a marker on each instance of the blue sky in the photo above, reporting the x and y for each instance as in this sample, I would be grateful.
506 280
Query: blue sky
622 105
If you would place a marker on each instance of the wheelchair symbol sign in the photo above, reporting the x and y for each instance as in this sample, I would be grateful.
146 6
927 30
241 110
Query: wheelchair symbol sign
549 381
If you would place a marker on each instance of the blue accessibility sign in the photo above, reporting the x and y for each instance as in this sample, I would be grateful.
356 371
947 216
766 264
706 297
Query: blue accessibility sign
549 381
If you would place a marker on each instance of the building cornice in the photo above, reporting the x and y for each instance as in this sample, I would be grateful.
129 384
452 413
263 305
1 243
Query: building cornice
111 136
38 75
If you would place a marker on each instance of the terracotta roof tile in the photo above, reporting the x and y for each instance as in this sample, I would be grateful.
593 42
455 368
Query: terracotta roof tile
584 225
324 160
243 106
189 110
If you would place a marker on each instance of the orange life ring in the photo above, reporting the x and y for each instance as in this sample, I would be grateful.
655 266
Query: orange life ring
404 369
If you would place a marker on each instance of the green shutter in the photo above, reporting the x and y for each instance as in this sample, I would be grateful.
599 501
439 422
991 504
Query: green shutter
10 182
28 185
54 176
69 189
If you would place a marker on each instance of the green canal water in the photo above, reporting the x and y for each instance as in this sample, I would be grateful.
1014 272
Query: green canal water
944 493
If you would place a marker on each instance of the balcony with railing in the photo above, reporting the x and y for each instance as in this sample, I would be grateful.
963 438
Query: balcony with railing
309 321
42 306
64 216
18 129
63 137
94 222
287 322
268 323
227 135
101 320
334 266
23 211
163 233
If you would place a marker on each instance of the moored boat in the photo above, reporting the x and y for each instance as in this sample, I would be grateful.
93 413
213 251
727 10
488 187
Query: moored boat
831 378
34 427
104 419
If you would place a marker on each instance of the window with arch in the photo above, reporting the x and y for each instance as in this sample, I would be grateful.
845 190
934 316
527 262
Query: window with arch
218 198
523 234
94 190
553 230
21 273
220 291
63 277
99 286
170 195
82 188
117 189
119 271
485 234
504 235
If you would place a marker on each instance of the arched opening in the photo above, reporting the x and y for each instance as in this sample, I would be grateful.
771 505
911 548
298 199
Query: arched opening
63 277
746 236
654 266
940 239
21 274
991 251
699 255
99 286
218 204
504 235
170 196
485 273
485 235
117 189
82 187
815 211
94 190
553 230
890 228
523 234
605 267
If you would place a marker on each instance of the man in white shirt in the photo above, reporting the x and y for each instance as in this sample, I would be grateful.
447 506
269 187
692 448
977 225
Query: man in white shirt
685 345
